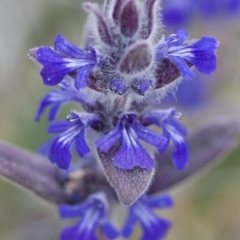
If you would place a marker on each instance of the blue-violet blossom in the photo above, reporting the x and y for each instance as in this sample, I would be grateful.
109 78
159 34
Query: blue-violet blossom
201 53
93 214
131 153
57 97
72 129
167 120
65 58
153 226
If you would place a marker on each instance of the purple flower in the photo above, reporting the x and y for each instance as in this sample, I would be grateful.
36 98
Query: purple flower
153 226
201 53
131 153
65 58
71 130
172 129
55 98
93 214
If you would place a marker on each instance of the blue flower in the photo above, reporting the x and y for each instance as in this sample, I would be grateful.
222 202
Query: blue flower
93 214
201 53
172 129
131 153
73 129
153 226
57 97
64 59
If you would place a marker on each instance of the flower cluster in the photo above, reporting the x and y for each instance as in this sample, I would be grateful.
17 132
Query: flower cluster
126 66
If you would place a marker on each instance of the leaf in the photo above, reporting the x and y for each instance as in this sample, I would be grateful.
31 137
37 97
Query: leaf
151 20
167 72
32 172
116 10
103 30
137 59
128 184
129 20
207 145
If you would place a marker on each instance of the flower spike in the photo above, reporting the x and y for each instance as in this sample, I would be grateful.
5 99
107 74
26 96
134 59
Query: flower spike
127 65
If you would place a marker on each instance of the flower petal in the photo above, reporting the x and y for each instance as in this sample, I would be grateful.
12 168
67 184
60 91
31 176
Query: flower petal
205 58
156 230
132 154
77 232
180 37
60 154
129 225
53 111
57 97
82 76
161 201
59 127
42 106
182 66
150 137
180 155
55 66
108 229
62 45
107 141
72 211
81 145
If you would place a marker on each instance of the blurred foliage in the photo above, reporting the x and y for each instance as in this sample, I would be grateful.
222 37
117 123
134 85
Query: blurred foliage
205 209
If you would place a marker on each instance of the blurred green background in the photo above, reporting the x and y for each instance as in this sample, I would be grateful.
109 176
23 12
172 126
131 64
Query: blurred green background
206 209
